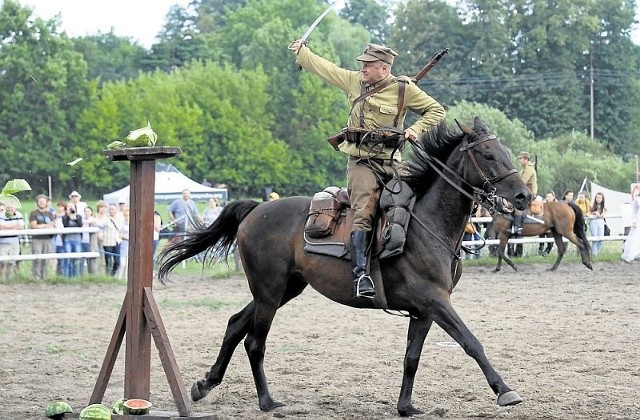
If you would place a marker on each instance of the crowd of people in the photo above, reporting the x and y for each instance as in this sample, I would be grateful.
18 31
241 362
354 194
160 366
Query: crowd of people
111 239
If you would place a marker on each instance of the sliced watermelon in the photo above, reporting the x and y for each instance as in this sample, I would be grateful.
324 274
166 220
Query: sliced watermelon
136 406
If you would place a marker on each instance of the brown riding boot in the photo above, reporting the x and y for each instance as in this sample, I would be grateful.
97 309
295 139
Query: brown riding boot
362 283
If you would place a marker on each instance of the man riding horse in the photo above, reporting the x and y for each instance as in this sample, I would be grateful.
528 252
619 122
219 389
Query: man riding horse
530 177
379 102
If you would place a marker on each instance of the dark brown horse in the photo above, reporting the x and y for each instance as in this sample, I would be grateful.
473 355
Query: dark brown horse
561 219
420 281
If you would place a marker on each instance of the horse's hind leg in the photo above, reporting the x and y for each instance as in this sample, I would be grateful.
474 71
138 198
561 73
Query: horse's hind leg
255 345
502 256
418 330
447 318
561 250
237 329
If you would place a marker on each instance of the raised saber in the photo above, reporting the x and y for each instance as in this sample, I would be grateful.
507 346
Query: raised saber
315 23
313 26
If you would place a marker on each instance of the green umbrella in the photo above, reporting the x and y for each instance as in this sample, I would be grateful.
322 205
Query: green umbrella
16 185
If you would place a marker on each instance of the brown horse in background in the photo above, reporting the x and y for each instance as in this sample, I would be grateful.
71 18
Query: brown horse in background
561 219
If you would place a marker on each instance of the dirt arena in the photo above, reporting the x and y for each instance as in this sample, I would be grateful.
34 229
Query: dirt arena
566 342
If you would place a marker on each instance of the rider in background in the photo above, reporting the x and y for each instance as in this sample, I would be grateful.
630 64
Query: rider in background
372 152
530 178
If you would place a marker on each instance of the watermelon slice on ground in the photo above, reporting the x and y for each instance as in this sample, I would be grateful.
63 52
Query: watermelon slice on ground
136 406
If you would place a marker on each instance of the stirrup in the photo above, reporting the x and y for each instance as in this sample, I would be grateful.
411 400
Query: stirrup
367 293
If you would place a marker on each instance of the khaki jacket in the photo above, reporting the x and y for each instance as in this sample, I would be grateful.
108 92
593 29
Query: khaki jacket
381 108
530 178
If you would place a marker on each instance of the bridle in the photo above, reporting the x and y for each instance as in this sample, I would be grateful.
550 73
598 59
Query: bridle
484 196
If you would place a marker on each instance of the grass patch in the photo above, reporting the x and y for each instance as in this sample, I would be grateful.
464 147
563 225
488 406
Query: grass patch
209 303
610 252
54 348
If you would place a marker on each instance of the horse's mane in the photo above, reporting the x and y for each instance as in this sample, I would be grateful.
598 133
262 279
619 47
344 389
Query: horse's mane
438 142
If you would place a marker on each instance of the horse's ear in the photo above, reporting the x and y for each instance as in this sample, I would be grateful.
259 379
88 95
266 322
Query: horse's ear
464 128
478 124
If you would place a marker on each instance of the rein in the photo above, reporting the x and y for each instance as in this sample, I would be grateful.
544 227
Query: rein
481 196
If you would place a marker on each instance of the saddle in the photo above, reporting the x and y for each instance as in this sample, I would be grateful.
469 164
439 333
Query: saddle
327 230
328 227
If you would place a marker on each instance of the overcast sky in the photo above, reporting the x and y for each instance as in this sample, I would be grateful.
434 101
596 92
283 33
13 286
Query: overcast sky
139 19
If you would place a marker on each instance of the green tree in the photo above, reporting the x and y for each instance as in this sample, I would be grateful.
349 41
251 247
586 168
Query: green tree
178 42
43 88
421 29
372 15
110 57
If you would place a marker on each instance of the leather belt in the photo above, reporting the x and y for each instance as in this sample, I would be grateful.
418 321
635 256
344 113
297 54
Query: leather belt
356 136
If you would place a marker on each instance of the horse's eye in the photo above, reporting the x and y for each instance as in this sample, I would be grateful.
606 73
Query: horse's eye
489 156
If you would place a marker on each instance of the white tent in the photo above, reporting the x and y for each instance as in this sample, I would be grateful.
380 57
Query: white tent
169 185
618 207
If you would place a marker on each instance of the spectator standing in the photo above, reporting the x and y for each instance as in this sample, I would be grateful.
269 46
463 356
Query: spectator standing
101 219
41 218
75 197
181 211
212 211
61 211
583 202
567 197
632 244
596 215
545 249
10 219
72 241
122 206
89 242
112 241
124 245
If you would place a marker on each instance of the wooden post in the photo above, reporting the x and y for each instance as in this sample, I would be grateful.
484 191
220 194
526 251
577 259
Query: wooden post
140 317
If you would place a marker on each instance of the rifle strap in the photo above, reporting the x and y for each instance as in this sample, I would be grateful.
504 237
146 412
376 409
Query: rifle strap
365 94
401 86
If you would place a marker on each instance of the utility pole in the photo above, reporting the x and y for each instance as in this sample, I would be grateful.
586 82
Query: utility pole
591 91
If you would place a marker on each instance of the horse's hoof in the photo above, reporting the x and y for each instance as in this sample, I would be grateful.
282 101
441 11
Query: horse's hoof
589 267
271 405
198 391
509 398
409 411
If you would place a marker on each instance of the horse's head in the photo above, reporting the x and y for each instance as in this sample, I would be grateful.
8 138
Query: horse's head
486 166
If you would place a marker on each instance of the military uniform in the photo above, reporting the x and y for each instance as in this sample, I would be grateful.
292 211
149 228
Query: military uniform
530 178
372 156
376 111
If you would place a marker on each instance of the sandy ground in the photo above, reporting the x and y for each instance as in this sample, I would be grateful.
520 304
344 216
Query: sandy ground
566 342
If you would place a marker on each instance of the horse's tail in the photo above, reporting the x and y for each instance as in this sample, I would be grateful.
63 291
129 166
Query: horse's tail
215 240
578 224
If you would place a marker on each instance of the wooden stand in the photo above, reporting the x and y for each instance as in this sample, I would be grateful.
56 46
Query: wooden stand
140 316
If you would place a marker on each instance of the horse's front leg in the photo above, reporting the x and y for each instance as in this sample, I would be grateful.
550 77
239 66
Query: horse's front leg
447 318
418 330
